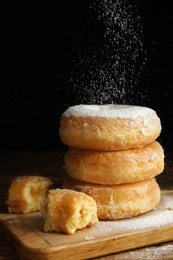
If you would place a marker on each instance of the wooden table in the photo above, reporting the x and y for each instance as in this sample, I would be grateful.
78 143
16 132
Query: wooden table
49 163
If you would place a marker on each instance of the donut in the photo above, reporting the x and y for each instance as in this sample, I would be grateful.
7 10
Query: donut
68 210
26 193
109 127
115 167
119 201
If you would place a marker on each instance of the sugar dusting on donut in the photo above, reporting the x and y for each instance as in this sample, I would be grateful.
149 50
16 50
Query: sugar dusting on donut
110 111
109 127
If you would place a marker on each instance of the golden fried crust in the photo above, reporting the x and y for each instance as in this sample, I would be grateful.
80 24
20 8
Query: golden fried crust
115 167
26 193
99 133
67 211
120 201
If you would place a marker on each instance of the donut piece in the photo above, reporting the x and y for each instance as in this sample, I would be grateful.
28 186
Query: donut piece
67 211
120 201
109 127
115 167
26 193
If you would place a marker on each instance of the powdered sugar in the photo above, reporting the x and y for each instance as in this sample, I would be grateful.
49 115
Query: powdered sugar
152 219
155 252
110 111
157 218
108 56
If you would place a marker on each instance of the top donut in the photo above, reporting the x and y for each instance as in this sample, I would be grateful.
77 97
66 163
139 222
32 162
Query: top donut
109 127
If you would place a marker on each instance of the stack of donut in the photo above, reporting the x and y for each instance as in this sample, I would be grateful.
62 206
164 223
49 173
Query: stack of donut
113 156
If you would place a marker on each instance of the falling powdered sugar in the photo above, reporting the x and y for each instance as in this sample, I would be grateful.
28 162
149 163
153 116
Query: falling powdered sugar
108 57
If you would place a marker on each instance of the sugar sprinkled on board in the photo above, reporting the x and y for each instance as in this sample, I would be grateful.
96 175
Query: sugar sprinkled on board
157 218
154 252
153 219
161 217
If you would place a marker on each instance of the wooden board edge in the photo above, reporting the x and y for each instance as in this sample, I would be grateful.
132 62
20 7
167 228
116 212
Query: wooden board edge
21 244
111 245
92 248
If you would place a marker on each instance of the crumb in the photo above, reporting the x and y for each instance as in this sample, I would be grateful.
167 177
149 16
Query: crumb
88 238
170 207
14 221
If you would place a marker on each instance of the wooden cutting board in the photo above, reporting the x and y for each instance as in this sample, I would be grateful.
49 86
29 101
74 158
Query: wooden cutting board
26 236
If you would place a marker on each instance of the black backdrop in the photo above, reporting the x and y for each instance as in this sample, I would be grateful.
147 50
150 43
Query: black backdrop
37 50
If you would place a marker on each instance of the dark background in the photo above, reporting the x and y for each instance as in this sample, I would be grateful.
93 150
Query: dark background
37 51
